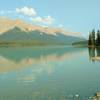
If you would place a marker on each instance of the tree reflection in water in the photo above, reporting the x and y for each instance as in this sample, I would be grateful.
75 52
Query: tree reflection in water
94 53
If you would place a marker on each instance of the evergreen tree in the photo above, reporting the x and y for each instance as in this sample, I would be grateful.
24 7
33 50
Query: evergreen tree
90 40
93 37
98 38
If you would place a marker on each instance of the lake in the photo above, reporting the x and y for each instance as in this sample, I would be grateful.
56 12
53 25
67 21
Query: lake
48 73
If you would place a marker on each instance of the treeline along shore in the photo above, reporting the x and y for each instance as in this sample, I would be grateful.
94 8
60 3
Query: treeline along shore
94 38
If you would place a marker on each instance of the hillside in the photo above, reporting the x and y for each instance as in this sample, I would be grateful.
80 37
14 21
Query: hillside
19 32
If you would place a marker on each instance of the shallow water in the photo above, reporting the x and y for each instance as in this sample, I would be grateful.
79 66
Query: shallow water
48 73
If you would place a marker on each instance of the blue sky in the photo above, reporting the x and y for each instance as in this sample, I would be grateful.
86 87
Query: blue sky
73 15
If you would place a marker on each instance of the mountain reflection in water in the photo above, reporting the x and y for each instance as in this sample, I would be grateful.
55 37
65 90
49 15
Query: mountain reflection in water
18 58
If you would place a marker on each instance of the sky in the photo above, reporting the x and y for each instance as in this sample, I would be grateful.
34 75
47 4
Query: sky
73 15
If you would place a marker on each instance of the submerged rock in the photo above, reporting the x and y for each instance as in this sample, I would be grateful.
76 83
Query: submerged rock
96 58
96 96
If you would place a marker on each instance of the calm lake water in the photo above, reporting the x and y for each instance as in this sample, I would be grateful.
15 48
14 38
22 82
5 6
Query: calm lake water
48 73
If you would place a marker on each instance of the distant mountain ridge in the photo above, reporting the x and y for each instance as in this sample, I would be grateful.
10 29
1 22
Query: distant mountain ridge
7 24
18 31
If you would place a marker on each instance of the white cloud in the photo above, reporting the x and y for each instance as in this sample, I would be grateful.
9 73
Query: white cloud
26 11
2 12
30 13
44 20
61 25
6 12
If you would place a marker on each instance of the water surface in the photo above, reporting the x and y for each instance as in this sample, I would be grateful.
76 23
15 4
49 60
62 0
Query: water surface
48 73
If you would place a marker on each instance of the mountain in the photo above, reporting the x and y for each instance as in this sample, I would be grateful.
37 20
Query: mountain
18 31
